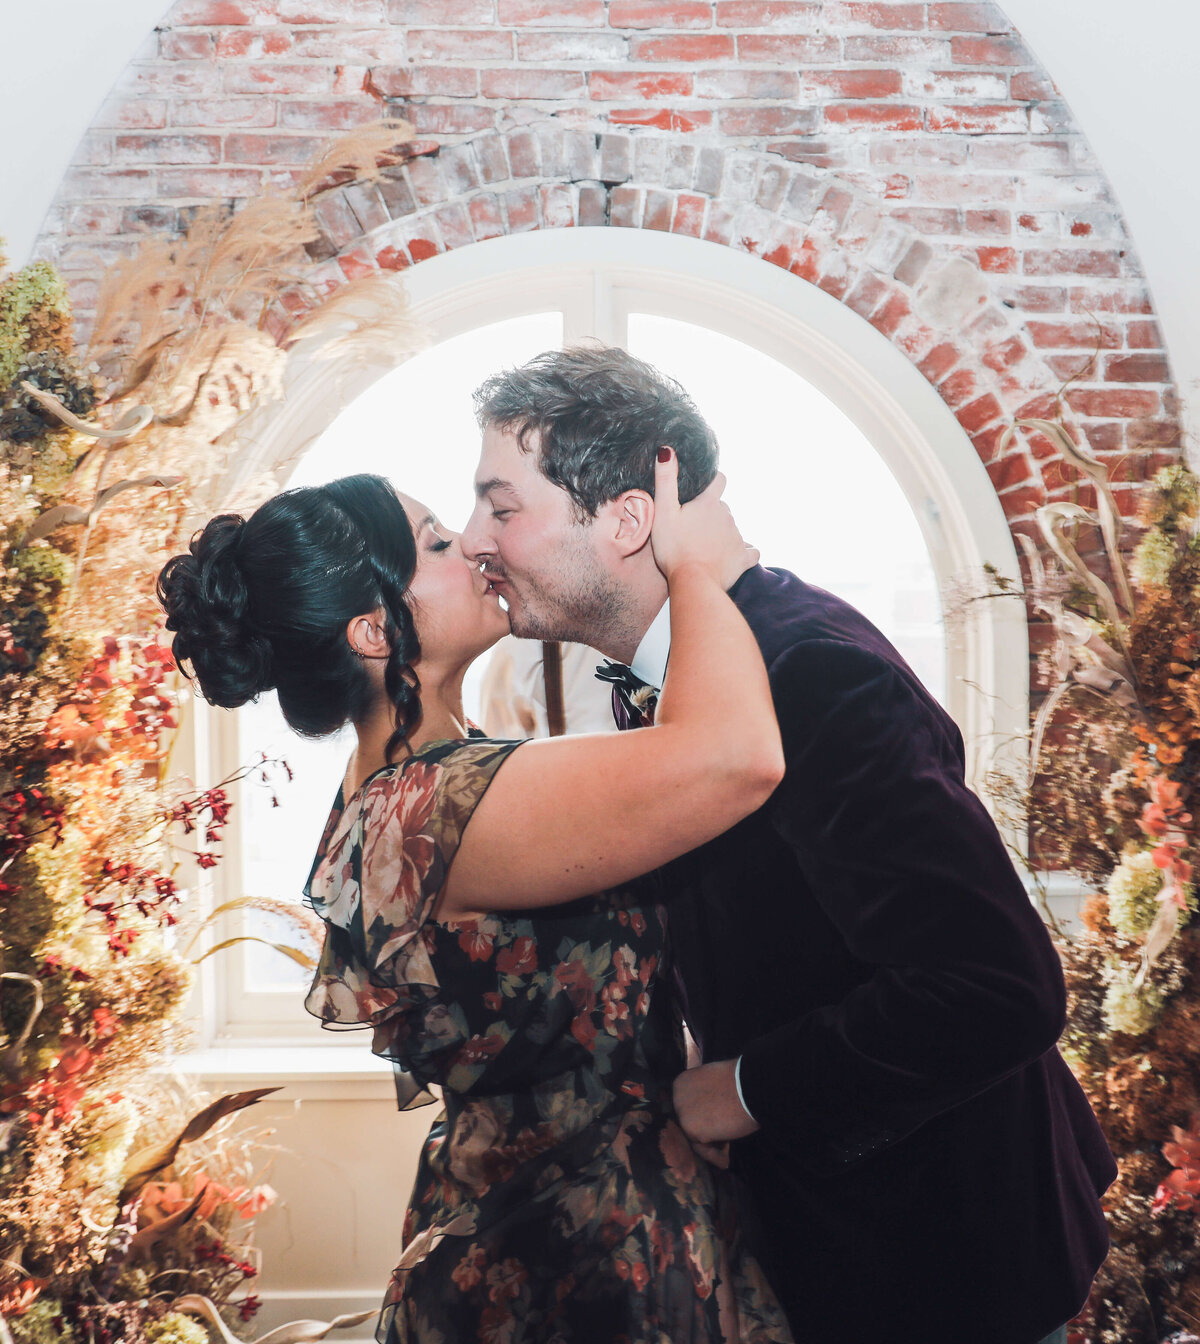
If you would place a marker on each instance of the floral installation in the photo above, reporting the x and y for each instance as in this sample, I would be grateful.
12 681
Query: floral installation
1109 793
127 1207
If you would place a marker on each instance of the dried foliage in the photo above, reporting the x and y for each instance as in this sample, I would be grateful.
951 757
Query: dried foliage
124 1214
1108 792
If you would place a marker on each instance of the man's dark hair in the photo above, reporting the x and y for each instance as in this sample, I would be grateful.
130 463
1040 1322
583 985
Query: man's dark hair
600 416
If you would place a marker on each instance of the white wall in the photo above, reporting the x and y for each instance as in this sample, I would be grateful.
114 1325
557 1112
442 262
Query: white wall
59 59
1129 74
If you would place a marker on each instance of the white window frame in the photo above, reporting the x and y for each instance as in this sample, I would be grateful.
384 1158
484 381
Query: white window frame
597 277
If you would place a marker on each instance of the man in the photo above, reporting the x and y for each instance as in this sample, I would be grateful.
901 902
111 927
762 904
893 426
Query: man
875 998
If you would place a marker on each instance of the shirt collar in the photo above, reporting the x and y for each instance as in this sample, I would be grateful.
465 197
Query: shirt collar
650 662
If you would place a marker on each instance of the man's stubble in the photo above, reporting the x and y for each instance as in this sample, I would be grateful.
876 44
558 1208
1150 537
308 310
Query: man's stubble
574 600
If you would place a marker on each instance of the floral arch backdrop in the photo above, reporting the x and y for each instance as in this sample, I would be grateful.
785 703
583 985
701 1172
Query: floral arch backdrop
910 159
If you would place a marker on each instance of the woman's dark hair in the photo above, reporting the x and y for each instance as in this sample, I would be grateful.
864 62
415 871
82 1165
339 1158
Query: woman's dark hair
262 603
601 415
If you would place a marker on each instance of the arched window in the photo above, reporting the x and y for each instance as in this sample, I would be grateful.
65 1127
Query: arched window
843 463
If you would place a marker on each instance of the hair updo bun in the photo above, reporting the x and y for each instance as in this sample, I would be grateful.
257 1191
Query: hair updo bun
207 602
264 603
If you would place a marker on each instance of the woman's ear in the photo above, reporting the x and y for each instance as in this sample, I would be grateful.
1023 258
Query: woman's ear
367 635
631 517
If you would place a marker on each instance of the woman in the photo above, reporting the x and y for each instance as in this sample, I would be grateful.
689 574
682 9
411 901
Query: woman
515 960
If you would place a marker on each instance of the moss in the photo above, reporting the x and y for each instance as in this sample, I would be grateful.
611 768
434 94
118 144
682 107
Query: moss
175 1328
35 314
43 1323
1153 560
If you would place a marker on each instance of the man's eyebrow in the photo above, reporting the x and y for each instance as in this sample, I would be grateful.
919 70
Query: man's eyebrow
483 488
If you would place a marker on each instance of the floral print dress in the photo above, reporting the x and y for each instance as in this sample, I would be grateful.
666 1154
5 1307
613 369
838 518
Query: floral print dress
556 1199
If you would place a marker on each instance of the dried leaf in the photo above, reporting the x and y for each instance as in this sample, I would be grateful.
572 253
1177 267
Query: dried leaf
132 422
297 1332
1159 937
143 1165
368 320
137 291
69 515
1106 506
147 1236
1037 570
1053 519
300 958
11 1056
299 915
357 156
138 373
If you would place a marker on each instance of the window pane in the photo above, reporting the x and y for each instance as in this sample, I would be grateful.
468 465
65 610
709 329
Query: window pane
806 486
416 426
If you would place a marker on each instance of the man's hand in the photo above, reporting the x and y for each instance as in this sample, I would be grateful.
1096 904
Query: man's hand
706 1102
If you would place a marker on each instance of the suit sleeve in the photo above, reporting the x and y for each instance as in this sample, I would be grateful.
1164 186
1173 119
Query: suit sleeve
962 985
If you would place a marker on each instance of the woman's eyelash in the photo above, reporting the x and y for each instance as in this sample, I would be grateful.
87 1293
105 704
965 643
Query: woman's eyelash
440 545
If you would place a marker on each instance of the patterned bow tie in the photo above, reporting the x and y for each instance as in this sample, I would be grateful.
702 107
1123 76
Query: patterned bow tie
634 701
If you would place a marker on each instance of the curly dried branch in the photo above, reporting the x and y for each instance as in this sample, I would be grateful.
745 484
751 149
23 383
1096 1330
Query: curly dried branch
132 422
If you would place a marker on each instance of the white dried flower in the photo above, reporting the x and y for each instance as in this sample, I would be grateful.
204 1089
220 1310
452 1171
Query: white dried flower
1132 891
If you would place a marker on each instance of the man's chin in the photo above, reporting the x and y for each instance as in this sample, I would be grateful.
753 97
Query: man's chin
525 626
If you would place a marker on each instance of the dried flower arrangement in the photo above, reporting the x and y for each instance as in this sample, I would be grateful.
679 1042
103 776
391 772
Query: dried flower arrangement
1109 793
123 1215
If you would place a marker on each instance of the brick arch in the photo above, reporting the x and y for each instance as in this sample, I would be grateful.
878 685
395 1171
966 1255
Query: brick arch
910 157
928 298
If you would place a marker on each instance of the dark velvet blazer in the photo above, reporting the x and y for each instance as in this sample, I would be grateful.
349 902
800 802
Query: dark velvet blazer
928 1169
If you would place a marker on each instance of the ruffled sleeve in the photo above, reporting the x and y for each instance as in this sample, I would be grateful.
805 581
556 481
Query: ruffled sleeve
381 865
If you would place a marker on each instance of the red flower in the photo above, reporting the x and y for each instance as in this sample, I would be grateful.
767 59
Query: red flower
475 943
519 959
469 1271
248 1307
505 1280
75 1057
573 976
479 1048
584 1031
1182 1186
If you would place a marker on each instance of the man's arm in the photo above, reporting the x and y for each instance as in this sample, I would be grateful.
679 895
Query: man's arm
966 986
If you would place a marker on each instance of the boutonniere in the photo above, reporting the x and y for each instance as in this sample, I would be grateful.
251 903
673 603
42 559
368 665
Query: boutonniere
642 697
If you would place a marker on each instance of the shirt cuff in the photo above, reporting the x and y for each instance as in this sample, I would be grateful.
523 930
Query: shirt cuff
737 1082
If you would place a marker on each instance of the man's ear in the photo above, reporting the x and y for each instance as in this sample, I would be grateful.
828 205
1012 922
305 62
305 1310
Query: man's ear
630 518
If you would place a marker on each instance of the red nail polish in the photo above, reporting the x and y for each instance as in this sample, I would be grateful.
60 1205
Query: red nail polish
664 454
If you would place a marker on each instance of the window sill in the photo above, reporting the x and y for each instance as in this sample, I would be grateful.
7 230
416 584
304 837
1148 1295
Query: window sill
302 1072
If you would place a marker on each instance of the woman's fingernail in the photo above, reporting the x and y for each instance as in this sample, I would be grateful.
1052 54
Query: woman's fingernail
664 454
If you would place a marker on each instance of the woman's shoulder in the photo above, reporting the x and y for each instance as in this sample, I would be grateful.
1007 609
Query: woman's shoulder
434 757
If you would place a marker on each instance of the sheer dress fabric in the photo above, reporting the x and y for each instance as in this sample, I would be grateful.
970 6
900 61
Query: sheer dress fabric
556 1198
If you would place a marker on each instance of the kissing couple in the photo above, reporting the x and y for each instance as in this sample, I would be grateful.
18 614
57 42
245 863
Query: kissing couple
881 1143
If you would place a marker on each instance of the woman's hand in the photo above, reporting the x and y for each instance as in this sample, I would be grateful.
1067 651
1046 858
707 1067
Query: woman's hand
700 532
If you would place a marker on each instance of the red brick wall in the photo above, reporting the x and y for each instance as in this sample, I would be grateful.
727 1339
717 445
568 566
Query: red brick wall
911 159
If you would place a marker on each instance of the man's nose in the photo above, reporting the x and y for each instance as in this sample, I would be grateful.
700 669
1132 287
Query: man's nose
475 542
